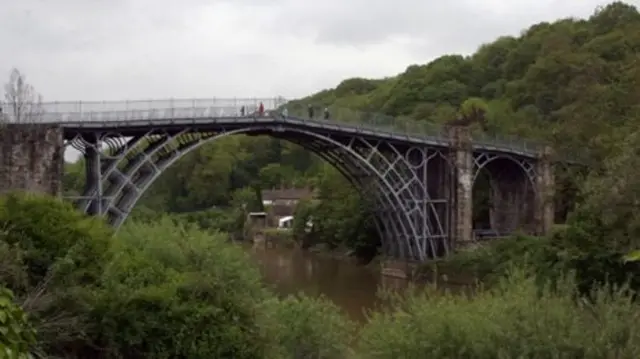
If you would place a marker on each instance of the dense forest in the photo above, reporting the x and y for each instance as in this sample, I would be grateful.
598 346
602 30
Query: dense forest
572 83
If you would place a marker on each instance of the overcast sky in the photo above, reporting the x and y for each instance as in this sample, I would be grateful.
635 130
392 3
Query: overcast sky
132 49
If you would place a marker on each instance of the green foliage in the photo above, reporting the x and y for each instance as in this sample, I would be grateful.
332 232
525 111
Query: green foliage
340 216
515 319
51 235
51 258
174 291
17 337
280 237
493 260
160 290
311 328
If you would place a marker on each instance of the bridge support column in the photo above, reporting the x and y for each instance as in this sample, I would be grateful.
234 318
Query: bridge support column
461 187
93 175
545 191
31 158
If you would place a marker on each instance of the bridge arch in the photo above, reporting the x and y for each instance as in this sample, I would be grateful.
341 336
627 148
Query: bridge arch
504 190
390 172
483 161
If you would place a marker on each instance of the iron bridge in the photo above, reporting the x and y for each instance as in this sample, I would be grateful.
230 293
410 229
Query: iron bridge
407 170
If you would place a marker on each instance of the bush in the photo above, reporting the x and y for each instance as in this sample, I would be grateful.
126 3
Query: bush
178 292
492 260
515 319
16 334
313 328
51 233
281 237
50 257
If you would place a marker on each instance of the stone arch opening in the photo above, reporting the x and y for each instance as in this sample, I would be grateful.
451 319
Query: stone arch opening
503 196
395 225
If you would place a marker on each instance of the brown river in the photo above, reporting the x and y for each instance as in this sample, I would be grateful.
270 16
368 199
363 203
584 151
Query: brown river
350 286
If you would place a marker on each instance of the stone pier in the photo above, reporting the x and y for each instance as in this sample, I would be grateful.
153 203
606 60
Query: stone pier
31 158
462 187
545 190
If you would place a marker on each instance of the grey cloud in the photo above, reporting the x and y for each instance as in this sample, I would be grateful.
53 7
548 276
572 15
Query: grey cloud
147 48
434 26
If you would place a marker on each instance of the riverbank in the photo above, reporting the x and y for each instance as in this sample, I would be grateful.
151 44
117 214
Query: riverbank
453 270
166 290
459 269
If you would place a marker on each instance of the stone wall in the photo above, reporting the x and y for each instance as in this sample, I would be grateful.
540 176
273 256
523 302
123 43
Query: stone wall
31 158
462 183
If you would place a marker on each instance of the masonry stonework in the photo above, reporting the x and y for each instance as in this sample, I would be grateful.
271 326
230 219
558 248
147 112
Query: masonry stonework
31 158
545 185
462 183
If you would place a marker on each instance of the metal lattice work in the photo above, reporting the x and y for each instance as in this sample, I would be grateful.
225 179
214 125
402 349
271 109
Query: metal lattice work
527 165
409 222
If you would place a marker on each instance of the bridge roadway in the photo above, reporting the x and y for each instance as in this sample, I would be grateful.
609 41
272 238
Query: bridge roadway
131 118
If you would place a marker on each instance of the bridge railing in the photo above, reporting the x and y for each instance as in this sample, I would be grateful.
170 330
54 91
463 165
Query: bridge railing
400 125
74 111
409 126
111 111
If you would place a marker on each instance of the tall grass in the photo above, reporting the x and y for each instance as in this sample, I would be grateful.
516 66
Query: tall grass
514 319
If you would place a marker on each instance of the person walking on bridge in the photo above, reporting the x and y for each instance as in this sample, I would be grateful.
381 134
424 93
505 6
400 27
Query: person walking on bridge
242 111
326 113
261 109
285 113
310 110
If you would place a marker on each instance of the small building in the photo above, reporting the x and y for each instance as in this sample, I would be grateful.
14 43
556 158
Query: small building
254 229
285 196
281 203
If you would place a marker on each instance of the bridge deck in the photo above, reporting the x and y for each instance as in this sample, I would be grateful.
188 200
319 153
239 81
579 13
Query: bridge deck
130 118
134 127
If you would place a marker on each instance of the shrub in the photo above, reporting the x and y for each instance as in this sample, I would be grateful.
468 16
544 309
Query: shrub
178 292
491 261
16 334
51 233
306 327
515 319
51 257
281 237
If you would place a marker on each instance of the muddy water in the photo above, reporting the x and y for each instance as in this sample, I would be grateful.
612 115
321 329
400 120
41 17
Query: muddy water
350 286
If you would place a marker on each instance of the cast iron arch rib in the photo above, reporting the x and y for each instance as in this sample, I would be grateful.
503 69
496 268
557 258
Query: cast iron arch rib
140 183
136 164
355 175
386 209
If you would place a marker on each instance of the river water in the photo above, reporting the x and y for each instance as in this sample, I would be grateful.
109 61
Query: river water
350 286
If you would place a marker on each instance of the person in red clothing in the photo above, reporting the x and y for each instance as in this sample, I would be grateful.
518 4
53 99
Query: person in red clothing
261 109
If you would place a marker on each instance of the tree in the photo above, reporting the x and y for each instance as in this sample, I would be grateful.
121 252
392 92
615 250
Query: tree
23 104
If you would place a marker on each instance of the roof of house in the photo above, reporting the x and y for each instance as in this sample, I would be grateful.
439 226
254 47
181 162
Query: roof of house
282 210
286 193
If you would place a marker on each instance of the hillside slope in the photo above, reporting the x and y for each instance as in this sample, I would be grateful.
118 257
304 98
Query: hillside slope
573 81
